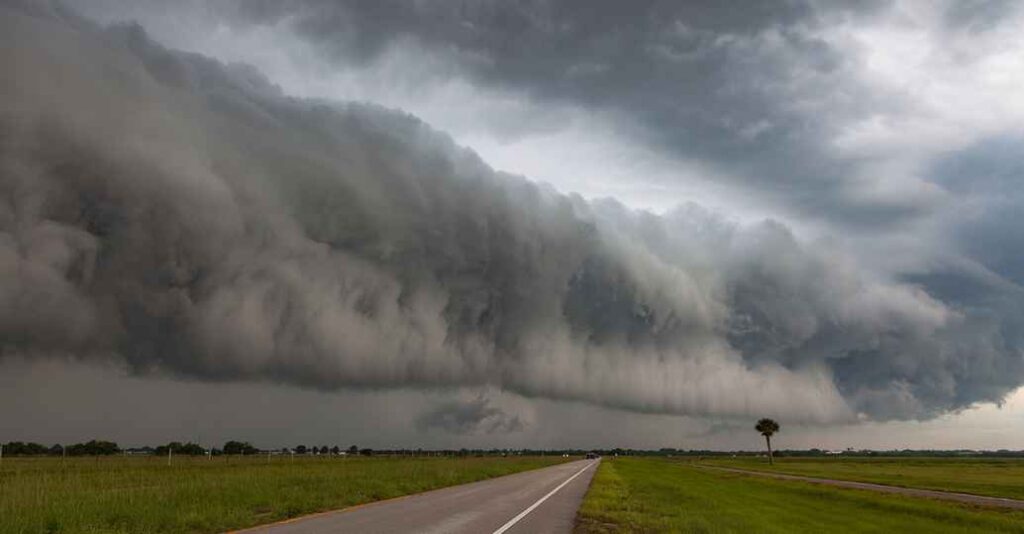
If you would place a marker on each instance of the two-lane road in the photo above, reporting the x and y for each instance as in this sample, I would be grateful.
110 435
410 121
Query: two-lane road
539 501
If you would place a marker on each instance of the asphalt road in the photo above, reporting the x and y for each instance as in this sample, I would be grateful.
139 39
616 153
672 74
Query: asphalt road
968 498
539 502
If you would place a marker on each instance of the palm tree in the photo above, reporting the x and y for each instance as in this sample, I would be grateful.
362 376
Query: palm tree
767 427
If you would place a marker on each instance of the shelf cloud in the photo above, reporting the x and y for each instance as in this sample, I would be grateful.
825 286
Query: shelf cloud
187 217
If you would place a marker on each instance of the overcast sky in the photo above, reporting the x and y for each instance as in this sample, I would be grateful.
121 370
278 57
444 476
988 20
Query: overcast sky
484 223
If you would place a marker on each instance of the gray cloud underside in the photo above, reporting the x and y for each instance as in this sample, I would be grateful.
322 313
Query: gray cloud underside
477 416
186 217
752 90
763 94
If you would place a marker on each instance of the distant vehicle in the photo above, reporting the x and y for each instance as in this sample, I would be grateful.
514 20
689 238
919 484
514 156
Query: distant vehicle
591 455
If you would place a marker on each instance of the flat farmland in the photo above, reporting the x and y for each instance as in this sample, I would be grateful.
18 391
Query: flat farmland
145 494
663 495
981 476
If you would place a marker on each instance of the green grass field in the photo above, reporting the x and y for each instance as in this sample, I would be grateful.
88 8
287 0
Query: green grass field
145 495
662 495
982 476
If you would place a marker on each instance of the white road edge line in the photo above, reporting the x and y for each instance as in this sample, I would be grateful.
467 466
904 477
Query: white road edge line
522 514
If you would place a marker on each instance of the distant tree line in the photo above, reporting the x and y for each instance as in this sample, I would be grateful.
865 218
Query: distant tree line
89 448
175 448
19 448
178 448
968 453
93 448
106 448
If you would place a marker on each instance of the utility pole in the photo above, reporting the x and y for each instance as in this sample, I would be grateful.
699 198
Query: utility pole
168 455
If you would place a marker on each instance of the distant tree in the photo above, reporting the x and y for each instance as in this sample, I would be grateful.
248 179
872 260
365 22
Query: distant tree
24 449
18 448
178 448
353 450
324 449
93 448
192 449
162 450
366 452
767 427
335 450
301 449
239 447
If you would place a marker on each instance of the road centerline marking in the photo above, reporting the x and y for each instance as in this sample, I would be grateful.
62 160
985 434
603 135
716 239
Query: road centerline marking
533 506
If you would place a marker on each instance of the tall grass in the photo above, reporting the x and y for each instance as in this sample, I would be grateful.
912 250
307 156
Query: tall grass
658 495
996 477
145 494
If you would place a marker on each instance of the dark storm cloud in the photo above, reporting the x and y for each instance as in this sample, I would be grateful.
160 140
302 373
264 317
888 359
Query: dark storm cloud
747 88
186 217
477 416
988 175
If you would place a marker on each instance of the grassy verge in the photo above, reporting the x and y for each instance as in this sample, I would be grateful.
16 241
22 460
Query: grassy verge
658 495
981 476
128 495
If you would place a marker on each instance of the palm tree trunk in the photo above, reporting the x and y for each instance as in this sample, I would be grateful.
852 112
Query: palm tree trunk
769 440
